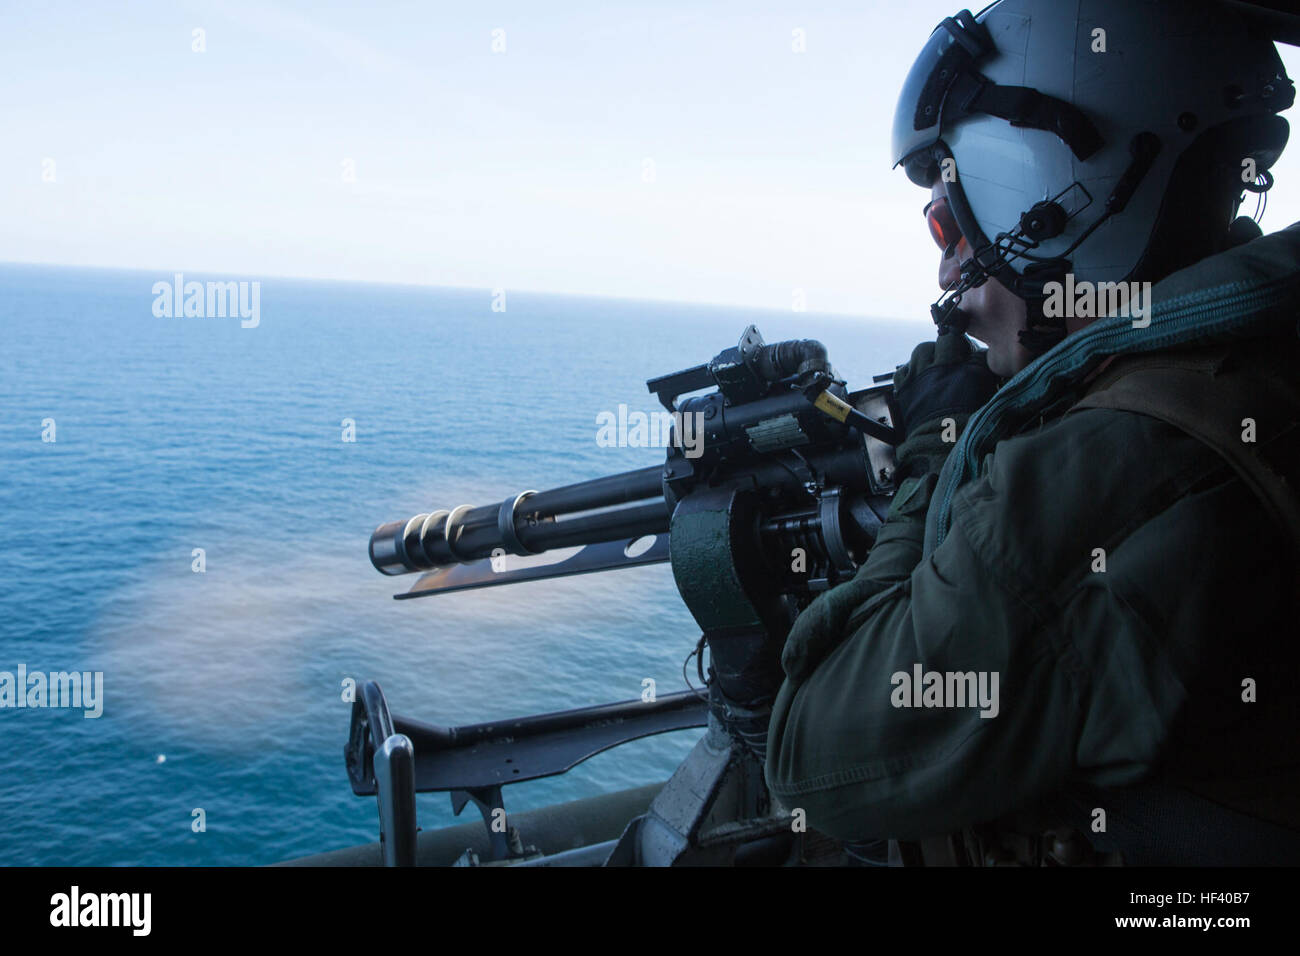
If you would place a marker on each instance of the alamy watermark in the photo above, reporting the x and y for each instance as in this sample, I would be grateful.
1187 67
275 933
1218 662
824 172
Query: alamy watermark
83 690
922 688
209 300
1095 300
75 908
626 429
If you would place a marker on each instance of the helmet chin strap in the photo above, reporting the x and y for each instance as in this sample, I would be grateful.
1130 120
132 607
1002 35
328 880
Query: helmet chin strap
1041 332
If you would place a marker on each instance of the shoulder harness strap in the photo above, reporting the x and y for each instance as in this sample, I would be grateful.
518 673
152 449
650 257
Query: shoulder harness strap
1248 411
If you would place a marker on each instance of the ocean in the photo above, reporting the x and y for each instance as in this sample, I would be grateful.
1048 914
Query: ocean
222 695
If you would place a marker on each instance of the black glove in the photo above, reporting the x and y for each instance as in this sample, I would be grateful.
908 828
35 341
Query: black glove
945 378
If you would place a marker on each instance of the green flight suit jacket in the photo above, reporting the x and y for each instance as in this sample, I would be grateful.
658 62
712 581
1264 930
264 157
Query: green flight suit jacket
1117 576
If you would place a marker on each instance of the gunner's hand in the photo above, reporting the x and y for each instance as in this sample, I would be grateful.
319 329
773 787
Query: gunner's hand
945 379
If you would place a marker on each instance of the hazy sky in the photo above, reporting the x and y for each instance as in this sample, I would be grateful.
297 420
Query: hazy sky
525 168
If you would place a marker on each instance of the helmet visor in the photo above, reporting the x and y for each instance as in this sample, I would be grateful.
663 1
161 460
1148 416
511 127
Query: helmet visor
955 44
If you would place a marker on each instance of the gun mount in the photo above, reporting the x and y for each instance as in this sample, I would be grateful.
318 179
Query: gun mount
781 498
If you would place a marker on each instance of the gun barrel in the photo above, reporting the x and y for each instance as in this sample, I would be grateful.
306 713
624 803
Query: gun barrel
603 509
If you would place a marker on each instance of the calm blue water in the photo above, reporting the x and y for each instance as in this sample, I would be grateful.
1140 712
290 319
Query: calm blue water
223 689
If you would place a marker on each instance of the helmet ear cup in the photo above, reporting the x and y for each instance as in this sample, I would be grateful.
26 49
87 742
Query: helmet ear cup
1197 214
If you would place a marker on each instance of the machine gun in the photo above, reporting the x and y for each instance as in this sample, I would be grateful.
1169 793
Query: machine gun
781 499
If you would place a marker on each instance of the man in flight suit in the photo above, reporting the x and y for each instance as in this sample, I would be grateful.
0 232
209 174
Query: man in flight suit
1075 639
